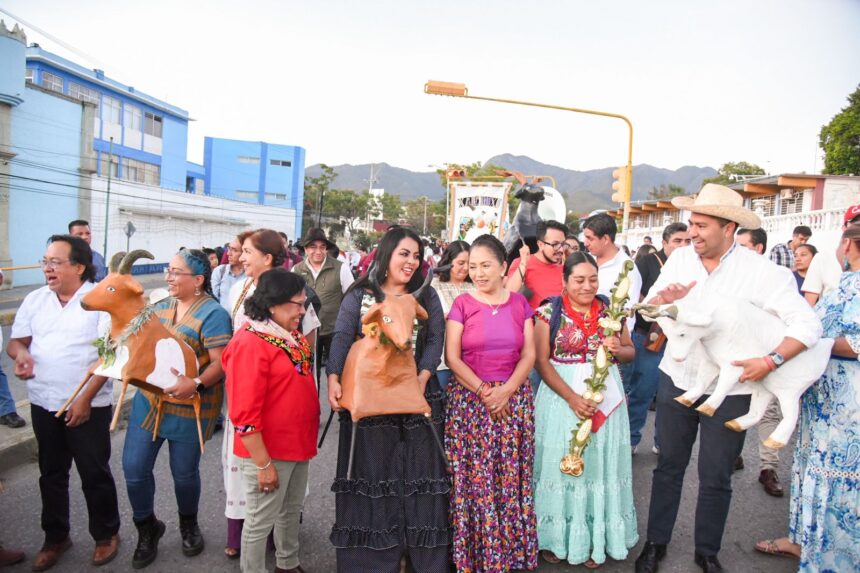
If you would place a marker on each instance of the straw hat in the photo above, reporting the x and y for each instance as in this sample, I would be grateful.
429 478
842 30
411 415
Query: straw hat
719 201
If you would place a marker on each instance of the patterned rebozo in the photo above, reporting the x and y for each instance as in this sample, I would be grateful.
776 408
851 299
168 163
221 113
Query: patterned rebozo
300 355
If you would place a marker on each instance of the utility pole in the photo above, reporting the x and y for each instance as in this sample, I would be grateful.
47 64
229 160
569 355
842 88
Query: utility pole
107 199
425 215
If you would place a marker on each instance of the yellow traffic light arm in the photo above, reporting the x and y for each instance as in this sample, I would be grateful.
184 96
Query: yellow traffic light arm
434 87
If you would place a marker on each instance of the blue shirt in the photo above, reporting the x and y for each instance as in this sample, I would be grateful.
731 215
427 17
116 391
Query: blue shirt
99 264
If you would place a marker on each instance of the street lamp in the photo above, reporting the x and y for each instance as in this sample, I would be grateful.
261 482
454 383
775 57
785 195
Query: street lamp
452 89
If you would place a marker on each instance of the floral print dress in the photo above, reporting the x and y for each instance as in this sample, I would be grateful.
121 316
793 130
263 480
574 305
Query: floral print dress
825 481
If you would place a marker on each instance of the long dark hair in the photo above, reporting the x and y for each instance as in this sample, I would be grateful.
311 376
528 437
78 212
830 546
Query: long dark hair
574 259
384 251
452 252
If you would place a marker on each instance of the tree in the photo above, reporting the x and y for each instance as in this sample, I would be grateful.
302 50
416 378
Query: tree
840 139
316 189
728 172
414 213
346 205
666 191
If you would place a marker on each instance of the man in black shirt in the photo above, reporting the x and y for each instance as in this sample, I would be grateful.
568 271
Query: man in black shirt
645 374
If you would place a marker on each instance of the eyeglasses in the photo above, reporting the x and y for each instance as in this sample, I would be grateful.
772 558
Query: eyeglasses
557 246
52 264
569 247
171 273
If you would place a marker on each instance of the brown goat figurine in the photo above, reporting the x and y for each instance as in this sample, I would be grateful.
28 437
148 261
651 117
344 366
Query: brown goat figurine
380 375
139 350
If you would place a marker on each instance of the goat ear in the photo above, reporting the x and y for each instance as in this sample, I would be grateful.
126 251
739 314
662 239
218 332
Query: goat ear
137 289
372 314
694 318
420 311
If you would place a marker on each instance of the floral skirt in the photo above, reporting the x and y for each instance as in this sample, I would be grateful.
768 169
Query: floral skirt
825 483
492 504
593 515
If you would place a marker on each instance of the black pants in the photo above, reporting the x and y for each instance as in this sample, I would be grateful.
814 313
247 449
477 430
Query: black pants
323 346
89 446
677 426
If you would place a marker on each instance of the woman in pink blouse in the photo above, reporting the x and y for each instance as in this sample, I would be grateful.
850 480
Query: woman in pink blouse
489 433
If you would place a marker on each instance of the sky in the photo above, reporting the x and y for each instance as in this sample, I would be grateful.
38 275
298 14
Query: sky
703 82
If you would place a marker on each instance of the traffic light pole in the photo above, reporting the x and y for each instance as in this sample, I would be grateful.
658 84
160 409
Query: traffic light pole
459 90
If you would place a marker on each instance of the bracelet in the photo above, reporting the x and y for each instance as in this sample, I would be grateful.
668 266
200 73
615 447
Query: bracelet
478 390
771 365
265 467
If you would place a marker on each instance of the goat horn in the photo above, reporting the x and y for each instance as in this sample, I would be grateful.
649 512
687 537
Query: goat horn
427 280
374 284
115 261
128 260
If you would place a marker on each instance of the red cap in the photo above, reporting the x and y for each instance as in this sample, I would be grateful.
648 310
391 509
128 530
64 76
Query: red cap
851 213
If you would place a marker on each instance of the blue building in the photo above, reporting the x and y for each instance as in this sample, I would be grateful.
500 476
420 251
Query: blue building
150 141
150 137
64 129
255 172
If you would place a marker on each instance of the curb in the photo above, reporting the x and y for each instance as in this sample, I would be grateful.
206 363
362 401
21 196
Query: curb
18 445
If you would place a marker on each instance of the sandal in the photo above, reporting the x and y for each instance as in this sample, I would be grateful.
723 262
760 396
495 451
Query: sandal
231 552
549 556
592 564
770 547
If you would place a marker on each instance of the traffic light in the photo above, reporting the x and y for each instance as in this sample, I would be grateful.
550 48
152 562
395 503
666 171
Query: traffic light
621 185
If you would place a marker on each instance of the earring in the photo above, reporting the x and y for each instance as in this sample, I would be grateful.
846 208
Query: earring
196 291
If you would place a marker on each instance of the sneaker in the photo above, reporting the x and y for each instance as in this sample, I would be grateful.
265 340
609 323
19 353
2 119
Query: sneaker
655 450
13 420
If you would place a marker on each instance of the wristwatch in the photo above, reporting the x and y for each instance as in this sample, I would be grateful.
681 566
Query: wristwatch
778 359
199 387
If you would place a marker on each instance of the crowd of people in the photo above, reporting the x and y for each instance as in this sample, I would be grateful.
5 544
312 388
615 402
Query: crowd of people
504 358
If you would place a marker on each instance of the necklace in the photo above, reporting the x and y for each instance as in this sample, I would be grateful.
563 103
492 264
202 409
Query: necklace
495 309
586 322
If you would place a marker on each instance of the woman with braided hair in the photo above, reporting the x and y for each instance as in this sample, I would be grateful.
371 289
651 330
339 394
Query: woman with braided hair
192 315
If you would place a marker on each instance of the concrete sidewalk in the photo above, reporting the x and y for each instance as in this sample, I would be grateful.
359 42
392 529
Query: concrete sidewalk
18 445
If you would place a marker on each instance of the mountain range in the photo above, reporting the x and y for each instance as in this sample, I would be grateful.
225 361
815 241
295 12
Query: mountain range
584 190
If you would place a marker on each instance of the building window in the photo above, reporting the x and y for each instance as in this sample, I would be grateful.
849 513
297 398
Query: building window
247 159
276 196
247 195
111 110
103 165
281 162
140 171
153 124
52 81
83 93
28 75
131 117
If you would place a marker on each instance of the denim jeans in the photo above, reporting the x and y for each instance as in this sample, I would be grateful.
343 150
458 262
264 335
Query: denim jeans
7 404
644 379
138 460
444 376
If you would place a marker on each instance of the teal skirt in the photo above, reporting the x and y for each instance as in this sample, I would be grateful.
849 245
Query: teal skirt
593 515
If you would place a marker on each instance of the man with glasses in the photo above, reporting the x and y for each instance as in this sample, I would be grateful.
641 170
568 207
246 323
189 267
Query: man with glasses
599 232
541 272
226 275
52 346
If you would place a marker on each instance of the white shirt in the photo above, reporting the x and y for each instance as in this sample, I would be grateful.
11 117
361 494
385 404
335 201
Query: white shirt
607 274
310 321
346 278
744 274
823 274
62 346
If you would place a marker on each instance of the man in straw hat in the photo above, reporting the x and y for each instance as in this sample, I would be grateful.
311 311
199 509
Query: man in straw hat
713 266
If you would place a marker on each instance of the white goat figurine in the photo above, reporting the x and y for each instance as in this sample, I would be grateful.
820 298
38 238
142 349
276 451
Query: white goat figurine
732 329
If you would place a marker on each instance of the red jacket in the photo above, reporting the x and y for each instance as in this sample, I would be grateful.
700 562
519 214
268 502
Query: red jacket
267 394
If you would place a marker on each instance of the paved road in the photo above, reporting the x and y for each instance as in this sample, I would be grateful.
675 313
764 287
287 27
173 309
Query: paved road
753 515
